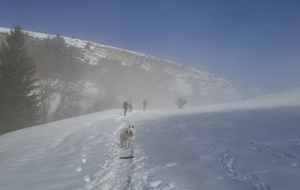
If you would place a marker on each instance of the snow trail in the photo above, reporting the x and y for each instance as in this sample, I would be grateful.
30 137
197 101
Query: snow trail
116 173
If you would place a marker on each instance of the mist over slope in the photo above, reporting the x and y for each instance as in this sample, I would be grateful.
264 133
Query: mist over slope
112 75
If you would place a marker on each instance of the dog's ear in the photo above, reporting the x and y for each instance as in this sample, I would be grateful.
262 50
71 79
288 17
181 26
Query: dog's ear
132 126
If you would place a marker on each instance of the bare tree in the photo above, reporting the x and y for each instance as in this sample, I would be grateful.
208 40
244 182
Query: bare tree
48 87
60 85
70 96
180 102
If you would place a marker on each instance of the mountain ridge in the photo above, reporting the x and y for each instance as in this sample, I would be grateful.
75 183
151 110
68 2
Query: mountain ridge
129 75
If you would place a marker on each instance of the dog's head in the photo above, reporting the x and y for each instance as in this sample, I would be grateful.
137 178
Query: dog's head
131 131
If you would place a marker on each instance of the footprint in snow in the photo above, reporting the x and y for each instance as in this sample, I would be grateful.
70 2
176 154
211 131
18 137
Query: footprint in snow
262 186
205 157
171 164
87 178
83 160
155 183
79 168
296 165
91 137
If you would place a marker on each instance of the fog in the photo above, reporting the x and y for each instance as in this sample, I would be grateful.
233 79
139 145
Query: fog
87 77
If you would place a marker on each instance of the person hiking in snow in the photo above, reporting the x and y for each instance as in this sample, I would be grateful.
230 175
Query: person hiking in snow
125 106
130 106
145 103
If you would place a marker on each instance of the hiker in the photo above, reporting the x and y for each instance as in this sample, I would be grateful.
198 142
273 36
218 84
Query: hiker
145 103
130 106
125 106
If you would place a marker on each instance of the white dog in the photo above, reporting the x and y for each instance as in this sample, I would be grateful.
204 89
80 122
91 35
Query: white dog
127 135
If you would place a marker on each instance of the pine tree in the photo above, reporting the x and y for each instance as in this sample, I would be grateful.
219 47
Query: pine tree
19 103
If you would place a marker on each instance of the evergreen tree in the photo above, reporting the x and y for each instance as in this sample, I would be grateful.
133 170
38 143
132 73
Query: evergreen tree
19 103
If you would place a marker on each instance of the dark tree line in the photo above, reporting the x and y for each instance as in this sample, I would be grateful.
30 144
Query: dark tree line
35 73
19 100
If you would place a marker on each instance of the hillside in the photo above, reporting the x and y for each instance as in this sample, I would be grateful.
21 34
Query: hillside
108 75
251 145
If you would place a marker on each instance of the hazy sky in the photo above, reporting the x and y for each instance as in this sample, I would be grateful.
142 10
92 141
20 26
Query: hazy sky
252 41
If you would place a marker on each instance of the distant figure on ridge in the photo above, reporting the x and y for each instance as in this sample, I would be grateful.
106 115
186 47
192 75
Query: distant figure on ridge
145 103
130 106
125 106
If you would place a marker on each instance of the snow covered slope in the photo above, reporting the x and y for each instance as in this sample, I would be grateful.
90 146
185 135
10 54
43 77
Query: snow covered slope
251 144
154 78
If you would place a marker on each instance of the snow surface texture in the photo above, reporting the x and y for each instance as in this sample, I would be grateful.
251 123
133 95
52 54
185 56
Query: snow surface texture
250 145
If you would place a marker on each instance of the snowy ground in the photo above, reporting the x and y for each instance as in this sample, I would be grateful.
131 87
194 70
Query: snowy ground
252 144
